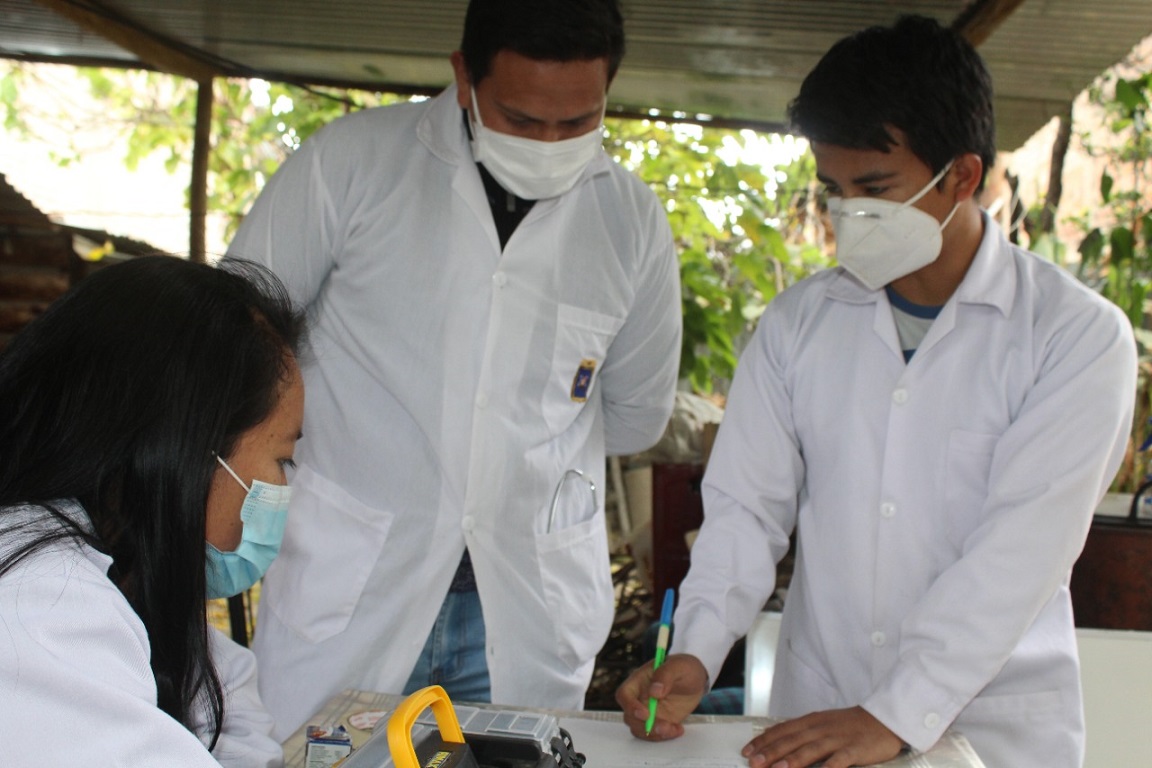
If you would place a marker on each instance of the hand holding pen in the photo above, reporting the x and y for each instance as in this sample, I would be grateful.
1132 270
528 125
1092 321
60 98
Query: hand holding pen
674 682
661 651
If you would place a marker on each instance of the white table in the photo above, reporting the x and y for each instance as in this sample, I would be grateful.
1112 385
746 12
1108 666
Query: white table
953 751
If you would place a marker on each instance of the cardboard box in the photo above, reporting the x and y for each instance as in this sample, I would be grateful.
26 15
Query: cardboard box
327 746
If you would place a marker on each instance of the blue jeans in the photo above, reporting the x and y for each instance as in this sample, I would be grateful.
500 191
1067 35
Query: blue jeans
453 657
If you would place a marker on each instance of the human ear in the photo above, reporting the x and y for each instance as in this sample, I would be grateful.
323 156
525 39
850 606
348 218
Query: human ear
463 80
967 172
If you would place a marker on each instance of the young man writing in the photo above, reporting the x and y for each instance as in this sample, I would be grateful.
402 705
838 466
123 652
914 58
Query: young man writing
937 419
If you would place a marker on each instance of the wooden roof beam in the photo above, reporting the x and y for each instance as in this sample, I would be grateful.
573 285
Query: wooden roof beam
148 47
981 18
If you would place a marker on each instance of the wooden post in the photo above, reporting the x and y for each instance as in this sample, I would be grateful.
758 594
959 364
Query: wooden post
1056 172
198 191
160 52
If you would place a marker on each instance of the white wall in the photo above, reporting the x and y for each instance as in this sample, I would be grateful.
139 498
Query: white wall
1116 672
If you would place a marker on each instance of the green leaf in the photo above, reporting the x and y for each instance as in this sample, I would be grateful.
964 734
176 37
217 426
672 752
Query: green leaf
1106 182
1144 336
1130 96
8 91
1045 245
1136 307
1122 244
1092 246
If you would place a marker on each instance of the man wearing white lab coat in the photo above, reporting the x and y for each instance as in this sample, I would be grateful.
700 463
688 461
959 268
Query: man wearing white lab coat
479 331
936 418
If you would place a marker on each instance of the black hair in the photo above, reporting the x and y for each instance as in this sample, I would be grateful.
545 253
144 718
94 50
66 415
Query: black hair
118 396
546 30
917 76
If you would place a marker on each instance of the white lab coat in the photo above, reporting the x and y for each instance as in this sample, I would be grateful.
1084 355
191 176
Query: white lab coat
76 687
940 504
440 410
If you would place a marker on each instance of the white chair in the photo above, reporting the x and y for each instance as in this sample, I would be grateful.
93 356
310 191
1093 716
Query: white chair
1116 672
760 662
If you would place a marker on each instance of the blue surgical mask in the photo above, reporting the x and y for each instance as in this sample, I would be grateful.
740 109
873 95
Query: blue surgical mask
264 514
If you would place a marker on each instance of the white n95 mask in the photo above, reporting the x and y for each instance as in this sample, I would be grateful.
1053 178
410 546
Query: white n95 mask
879 241
531 169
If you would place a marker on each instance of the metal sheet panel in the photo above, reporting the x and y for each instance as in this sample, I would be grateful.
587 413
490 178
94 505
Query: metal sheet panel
741 60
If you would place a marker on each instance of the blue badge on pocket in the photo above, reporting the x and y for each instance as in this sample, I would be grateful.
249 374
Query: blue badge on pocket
582 382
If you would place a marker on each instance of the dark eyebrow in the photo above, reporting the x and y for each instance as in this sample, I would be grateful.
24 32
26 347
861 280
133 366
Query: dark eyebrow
515 114
868 178
583 117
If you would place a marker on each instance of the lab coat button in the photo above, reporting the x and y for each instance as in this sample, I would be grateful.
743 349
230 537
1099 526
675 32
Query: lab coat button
879 638
887 509
900 396
481 401
500 279
932 720
468 523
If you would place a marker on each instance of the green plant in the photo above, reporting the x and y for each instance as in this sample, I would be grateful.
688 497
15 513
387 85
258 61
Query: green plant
742 225
1116 254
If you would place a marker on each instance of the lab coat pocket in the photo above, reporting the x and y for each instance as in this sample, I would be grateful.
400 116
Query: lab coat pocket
582 340
577 581
316 590
966 474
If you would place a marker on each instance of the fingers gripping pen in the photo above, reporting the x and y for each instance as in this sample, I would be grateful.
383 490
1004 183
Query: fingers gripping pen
661 651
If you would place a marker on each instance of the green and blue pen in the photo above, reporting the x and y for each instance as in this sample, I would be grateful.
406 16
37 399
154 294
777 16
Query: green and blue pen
661 651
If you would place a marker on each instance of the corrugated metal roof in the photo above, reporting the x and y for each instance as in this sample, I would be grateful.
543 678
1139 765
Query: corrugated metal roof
740 60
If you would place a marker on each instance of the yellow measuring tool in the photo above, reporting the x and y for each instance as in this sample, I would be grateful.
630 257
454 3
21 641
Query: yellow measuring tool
455 736
451 752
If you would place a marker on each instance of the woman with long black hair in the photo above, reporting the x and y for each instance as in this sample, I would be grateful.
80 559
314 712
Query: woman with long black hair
146 419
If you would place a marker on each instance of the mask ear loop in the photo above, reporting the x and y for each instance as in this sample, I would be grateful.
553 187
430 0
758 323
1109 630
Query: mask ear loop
951 213
930 185
231 472
475 108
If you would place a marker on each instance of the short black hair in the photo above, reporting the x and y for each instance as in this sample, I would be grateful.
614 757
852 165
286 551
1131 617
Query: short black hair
546 30
917 76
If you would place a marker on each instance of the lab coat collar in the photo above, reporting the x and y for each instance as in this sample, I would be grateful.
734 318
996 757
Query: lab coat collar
442 130
36 513
990 278
40 520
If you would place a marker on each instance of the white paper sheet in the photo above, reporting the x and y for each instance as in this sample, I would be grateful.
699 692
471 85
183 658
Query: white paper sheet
607 743
610 745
